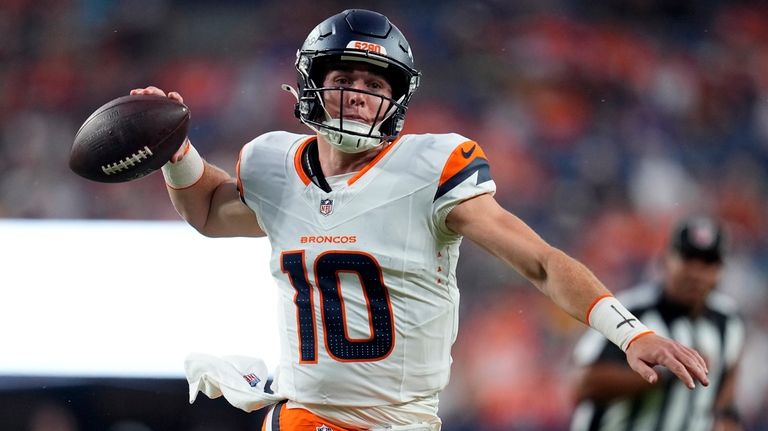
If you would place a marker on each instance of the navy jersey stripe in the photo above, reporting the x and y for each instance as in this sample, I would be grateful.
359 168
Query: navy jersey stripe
276 416
478 165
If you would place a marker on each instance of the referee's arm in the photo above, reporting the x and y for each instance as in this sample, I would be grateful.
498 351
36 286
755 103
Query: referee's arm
727 417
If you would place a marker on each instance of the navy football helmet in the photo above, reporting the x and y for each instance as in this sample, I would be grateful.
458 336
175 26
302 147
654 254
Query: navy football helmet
362 36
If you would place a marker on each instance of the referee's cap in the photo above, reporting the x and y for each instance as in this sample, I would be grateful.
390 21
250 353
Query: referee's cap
699 237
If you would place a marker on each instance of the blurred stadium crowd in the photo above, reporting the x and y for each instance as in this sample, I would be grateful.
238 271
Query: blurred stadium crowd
603 122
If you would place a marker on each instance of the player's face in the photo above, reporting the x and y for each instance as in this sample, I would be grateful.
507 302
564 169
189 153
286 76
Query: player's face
354 105
689 281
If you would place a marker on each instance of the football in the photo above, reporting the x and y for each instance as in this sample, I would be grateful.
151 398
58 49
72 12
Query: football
128 138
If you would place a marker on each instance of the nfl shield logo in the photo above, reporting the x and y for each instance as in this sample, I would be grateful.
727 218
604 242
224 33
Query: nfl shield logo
326 206
323 428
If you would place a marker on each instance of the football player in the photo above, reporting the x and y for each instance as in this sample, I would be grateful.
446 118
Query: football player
365 226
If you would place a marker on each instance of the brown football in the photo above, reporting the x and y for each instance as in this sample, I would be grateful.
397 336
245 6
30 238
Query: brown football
128 138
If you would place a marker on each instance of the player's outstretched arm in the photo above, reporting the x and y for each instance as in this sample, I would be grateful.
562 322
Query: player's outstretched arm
203 194
572 287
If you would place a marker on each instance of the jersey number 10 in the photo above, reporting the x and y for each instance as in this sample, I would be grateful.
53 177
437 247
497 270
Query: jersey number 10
339 344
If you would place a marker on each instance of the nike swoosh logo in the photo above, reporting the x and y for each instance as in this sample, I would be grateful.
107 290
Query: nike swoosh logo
468 154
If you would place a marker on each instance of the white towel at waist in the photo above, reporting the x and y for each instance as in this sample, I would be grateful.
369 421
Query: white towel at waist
239 378
241 381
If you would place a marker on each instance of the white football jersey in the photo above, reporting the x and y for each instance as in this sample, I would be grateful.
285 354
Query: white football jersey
366 273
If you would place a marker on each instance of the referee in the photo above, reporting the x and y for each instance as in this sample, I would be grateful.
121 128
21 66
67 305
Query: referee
682 306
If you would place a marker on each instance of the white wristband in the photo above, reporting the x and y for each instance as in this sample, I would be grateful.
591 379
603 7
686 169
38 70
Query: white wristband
615 322
186 172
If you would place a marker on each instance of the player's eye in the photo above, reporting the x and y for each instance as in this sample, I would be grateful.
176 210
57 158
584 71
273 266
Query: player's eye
378 86
342 81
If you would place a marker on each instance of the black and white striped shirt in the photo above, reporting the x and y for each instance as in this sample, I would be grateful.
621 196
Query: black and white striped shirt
718 334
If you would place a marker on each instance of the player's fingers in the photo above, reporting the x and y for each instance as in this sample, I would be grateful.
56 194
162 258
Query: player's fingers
690 358
701 360
646 372
154 90
679 370
695 364
151 90
176 96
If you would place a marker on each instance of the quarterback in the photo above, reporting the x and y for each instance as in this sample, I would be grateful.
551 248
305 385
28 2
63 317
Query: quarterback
365 226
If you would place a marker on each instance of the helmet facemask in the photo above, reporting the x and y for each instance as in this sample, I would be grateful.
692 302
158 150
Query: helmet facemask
350 135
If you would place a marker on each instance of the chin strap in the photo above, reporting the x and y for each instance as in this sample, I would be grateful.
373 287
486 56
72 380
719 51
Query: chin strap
310 162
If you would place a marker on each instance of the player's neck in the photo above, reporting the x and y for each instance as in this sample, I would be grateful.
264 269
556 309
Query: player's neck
335 162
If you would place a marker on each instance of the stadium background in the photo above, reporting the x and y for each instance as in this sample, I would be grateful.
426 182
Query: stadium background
603 121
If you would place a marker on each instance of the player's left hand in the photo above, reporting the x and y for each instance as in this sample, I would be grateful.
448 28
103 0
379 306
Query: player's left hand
651 350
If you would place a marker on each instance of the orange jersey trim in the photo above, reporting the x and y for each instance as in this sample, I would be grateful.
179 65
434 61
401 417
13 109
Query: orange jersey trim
459 159
240 188
306 180
297 419
642 334
593 304
370 164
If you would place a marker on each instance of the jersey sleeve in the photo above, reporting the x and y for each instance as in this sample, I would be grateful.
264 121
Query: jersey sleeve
238 174
244 172
465 174
259 160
